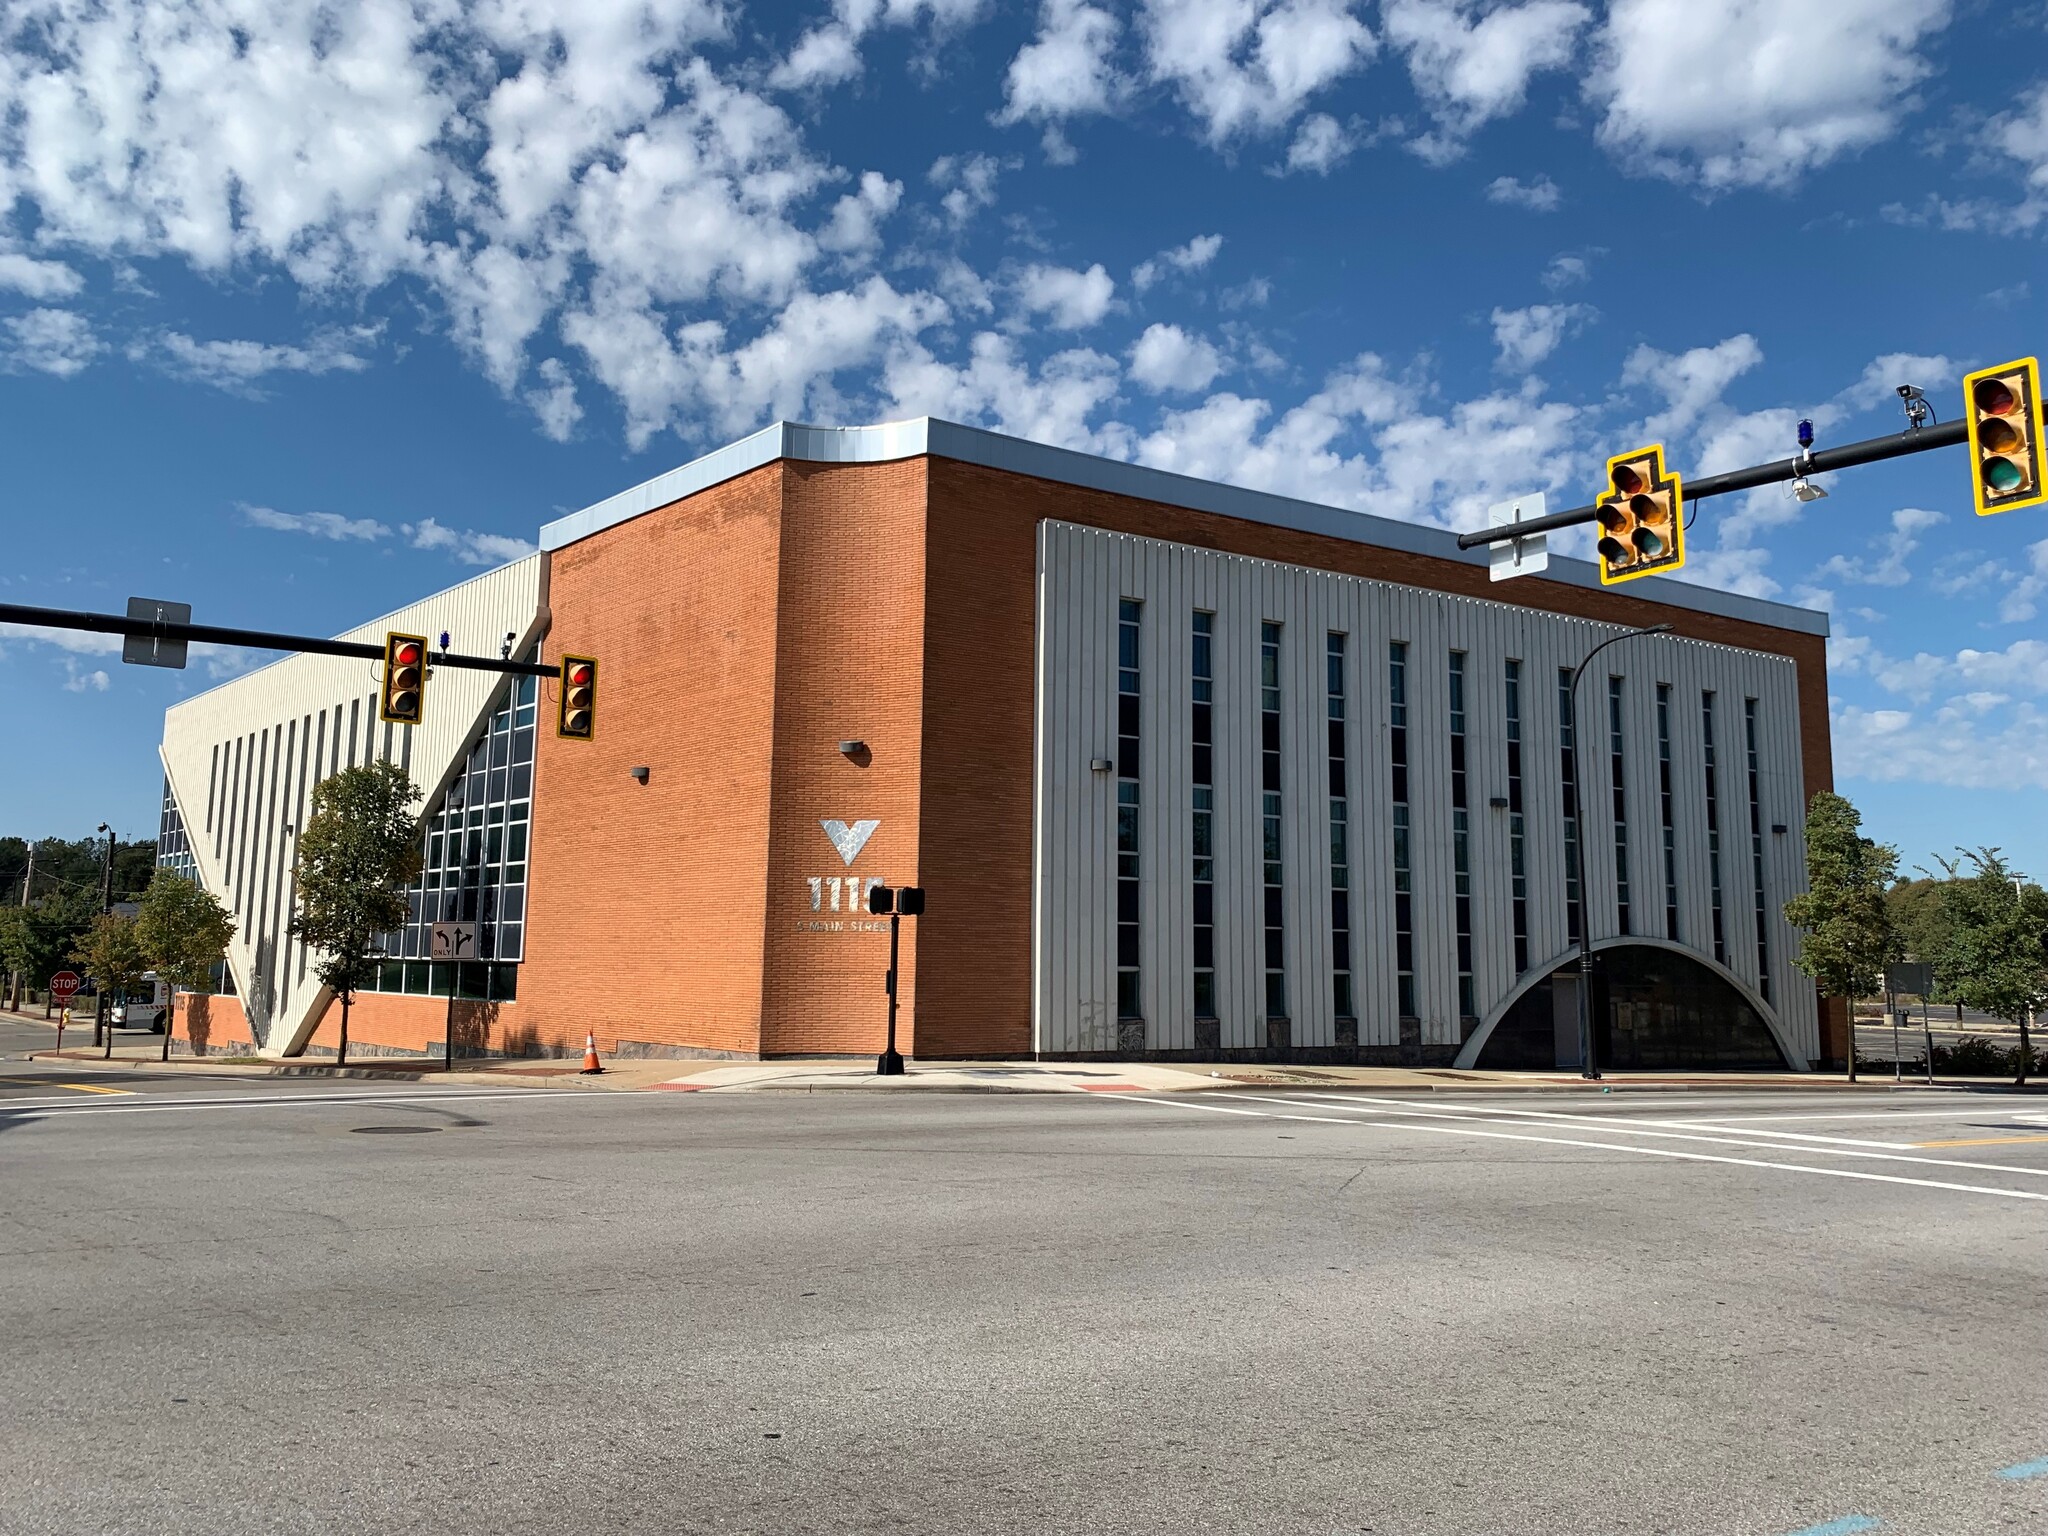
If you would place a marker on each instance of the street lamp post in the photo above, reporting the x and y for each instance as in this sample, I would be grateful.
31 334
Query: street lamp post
1588 1068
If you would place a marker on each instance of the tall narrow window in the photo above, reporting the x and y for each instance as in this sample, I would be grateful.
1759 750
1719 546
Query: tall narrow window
1404 899
1621 890
1340 837
1518 827
1714 829
1461 836
1127 810
1568 763
1756 855
1269 792
1203 699
1664 809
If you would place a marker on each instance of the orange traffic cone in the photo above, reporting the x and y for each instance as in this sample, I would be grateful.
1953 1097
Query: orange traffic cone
590 1061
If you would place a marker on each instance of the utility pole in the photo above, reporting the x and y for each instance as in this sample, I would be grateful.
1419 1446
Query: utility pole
28 877
1588 1068
100 1021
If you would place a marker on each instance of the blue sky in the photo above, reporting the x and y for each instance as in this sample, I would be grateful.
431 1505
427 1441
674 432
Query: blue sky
303 316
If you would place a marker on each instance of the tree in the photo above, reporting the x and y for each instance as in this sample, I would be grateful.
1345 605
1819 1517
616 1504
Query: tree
112 955
359 851
1996 959
184 930
37 940
1918 914
1848 936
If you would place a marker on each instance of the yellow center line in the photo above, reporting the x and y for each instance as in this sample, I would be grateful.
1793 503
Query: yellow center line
130 1093
1981 1141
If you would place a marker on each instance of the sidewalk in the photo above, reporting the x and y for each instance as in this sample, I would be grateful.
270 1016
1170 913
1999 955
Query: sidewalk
642 1074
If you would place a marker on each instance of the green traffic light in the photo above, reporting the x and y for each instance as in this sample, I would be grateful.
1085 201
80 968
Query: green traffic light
2002 476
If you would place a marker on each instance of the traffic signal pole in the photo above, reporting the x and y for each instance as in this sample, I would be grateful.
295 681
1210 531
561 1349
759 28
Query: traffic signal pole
252 639
1819 461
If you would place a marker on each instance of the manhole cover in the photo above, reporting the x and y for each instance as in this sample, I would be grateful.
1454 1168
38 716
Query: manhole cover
394 1130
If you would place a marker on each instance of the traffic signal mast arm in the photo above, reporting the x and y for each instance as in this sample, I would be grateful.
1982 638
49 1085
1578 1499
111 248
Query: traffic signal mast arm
257 640
1947 434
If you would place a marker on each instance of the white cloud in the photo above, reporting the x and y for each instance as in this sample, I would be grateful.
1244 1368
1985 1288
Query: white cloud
830 52
1755 92
466 545
970 181
2022 601
1526 337
319 525
1568 269
1953 744
1691 382
38 279
236 365
554 401
998 388
1070 300
1166 358
1888 568
1249 66
1066 71
856 227
1539 196
1321 144
77 681
1192 257
1878 387
1471 66
53 341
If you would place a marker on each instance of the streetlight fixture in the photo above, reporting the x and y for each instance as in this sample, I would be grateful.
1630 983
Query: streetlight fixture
101 1021
1588 1069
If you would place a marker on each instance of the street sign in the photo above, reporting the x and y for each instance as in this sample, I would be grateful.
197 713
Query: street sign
454 941
64 986
1517 557
154 650
1909 979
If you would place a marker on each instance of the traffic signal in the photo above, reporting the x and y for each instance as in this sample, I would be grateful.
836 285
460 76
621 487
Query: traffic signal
405 679
2002 407
577 719
1642 517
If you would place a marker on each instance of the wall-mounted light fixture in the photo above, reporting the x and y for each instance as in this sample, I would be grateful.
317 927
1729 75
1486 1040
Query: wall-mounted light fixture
1100 764
1778 827
1499 802
638 773
856 753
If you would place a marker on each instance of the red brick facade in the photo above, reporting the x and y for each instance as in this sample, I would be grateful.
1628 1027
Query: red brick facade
744 634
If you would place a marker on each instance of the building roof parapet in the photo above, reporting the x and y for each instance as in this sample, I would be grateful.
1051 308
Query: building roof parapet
888 441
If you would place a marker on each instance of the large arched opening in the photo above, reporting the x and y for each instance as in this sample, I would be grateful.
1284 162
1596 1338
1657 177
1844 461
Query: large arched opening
1655 1007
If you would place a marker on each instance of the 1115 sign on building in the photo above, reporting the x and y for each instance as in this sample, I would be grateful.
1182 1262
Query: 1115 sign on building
844 893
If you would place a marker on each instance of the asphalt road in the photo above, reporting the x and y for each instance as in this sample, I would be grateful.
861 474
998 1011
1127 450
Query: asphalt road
328 1307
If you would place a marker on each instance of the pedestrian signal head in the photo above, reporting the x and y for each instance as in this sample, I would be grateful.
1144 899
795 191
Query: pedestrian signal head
1641 513
403 699
881 900
2002 408
577 717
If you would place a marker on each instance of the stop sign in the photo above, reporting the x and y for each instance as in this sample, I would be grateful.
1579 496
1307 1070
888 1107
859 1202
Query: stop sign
64 986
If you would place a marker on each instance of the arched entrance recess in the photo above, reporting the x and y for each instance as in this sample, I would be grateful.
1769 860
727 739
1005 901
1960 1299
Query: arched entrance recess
1656 1005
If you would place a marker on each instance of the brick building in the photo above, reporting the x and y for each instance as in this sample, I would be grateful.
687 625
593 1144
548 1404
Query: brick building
1184 769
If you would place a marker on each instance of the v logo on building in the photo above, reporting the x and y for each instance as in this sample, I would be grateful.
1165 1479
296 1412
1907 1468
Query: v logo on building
849 840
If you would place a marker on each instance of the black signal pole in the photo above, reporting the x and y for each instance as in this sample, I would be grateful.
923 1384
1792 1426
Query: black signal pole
1588 1068
1819 461
890 1063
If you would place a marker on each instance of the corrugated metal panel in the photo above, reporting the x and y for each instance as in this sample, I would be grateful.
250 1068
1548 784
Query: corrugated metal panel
249 741
1085 571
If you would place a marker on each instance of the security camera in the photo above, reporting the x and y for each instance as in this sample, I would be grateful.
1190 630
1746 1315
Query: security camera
1917 408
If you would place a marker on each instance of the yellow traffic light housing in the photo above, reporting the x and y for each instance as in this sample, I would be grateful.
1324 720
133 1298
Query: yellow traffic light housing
576 717
1642 517
404 695
2002 407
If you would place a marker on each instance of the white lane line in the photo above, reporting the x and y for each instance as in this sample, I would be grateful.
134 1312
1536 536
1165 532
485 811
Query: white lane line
1598 1125
1619 1122
56 1111
1958 1113
1596 1146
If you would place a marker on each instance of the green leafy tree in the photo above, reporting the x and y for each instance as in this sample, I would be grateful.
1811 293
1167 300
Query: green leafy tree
14 950
1996 959
1921 919
359 851
112 955
1847 933
184 930
37 940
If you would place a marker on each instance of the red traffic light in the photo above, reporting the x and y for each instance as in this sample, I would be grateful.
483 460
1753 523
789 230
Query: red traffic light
402 700
576 718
